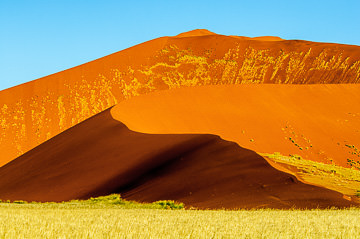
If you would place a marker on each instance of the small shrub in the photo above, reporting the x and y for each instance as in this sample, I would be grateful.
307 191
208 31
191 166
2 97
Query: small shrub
110 199
296 156
19 202
169 204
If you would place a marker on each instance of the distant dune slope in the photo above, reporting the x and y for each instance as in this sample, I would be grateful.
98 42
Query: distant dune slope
102 156
318 122
263 38
196 33
36 111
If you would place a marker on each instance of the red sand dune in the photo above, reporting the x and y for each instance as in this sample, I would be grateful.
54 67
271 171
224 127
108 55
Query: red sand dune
101 156
34 112
320 119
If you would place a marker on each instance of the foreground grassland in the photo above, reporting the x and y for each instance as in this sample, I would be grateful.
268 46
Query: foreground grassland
113 221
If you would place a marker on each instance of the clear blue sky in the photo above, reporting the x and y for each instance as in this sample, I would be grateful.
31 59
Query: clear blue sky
38 38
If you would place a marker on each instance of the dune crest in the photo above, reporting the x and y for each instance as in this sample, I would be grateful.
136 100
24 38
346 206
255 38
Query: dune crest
196 33
268 38
262 38
317 122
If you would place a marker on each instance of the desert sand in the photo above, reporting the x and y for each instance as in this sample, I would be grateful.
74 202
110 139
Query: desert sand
102 156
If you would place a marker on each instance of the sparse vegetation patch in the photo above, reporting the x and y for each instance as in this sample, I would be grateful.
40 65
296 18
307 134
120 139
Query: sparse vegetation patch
344 180
112 201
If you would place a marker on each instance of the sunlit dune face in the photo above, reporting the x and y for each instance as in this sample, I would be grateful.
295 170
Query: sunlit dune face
318 122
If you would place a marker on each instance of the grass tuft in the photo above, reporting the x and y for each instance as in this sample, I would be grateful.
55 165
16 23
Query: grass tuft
168 204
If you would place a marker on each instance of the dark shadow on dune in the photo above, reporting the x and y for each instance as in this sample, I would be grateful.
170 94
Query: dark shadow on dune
102 156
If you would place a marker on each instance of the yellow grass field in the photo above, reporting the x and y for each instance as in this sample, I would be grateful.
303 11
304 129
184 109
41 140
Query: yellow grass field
116 221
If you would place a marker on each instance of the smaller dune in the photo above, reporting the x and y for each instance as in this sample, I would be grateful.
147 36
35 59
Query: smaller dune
101 156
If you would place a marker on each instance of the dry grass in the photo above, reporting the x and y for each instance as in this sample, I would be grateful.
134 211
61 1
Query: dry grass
112 217
51 221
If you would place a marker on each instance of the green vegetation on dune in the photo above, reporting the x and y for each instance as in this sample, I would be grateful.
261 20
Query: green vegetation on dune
355 153
344 180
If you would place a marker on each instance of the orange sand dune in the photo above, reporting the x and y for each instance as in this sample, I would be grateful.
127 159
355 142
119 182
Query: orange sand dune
34 112
263 38
205 32
101 156
314 121
268 38
196 33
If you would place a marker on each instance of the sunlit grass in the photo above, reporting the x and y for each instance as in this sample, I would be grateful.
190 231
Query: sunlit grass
112 221
112 217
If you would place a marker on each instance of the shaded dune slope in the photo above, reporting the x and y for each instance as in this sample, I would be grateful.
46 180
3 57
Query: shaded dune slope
102 156
34 112
317 122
